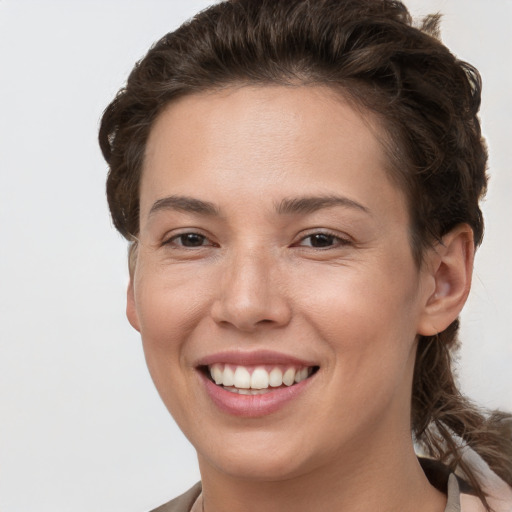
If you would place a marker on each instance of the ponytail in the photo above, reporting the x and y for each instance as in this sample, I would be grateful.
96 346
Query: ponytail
444 421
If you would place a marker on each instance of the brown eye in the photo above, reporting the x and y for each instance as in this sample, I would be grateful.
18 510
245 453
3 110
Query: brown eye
322 240
189 240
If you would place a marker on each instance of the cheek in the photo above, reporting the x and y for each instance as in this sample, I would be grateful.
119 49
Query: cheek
367 317
368 323
168 311
168 302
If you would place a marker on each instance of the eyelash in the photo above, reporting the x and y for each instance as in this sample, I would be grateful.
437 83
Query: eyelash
332 240
173 240
336 240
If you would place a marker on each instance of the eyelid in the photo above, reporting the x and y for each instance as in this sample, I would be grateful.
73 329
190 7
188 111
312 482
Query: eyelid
169 238
342 238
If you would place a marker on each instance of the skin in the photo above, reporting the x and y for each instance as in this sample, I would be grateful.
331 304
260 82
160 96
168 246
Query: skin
255 280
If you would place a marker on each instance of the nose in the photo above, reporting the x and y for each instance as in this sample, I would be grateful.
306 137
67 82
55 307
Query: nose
251 294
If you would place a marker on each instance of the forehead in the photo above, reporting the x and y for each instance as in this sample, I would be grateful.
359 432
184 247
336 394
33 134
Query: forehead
262 140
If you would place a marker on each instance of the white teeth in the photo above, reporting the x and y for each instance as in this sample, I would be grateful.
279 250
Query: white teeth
242 379
258 391
217 374
275 378
259 379
228 379
236 378
247 391
301 375
289 377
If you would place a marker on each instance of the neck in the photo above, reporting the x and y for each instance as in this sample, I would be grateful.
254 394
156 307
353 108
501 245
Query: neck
357 482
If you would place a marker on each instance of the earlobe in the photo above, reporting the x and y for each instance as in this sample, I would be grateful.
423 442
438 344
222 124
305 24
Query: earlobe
131 308
450 264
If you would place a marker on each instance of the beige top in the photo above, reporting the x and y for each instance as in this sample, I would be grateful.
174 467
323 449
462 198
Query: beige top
457 501
191 500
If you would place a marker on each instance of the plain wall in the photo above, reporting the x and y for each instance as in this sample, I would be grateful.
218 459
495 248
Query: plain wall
81 426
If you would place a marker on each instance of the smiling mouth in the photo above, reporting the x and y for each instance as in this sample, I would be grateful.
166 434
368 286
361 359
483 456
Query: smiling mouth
257 379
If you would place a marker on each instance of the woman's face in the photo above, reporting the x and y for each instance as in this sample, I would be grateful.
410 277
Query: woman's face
273 244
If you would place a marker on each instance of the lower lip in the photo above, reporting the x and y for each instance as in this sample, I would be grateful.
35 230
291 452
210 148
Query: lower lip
252 406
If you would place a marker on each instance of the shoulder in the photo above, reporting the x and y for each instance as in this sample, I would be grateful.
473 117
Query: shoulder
461 499
460 496
182 503
499 495
498 492
469 503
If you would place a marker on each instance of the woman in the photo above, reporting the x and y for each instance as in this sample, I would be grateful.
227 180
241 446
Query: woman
299 182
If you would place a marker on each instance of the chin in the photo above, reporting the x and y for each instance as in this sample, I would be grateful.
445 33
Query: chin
256 466
261 456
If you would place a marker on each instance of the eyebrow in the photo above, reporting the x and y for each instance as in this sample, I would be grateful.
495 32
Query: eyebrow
184 204
310 204
296 205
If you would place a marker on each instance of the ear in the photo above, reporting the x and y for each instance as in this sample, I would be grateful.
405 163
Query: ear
131 307
450 265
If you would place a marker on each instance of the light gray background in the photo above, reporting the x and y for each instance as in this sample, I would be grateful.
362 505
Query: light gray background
81 427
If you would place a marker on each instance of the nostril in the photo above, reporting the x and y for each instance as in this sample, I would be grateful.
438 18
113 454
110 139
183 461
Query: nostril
248 298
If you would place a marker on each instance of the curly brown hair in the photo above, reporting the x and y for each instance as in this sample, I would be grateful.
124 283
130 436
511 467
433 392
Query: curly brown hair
427 101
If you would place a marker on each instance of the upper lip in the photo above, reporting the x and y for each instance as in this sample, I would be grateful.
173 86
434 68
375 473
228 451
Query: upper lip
251 358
